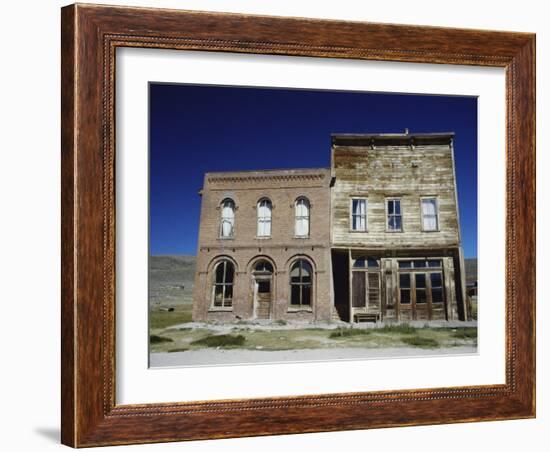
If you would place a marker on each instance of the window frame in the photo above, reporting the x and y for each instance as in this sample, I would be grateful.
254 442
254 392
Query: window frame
352 215
386 202
258 204
437 227
301 307
223 261
426 270
221 207
296 216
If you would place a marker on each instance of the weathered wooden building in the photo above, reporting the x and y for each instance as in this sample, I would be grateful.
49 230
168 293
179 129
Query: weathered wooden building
375 237
395 233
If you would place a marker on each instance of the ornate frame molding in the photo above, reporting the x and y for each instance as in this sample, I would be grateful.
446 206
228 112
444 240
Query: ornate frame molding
90 36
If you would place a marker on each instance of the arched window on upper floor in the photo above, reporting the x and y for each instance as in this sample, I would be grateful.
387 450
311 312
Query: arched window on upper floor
227 224
264 218
301 217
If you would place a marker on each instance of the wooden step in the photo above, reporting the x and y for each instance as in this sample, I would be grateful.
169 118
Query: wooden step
366 317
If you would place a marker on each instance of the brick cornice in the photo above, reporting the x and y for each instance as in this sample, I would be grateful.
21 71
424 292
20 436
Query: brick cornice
268 177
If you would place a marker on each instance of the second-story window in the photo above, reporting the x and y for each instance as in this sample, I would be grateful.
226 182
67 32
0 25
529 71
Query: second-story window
264 218
227 227
430 221
395 215
301 220
358 214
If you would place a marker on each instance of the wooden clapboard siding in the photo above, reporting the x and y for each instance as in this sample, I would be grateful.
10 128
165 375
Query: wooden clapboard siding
405 171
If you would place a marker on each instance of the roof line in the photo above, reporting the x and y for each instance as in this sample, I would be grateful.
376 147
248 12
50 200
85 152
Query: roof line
392 135
294 170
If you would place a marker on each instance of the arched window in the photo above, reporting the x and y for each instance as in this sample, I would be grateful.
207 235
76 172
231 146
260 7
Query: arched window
301 216
227 227
301 277
264 218
222 292
263 266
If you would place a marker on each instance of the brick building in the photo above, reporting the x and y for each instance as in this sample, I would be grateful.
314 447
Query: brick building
264 246
374 237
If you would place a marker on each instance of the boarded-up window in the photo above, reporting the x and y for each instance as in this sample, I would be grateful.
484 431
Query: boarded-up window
224 274
358 214
264 218
429 214
227 227
301 217
358 282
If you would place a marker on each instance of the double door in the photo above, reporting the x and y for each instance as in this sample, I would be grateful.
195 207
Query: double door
422 295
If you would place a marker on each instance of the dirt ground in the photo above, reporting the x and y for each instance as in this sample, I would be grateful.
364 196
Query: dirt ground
209 357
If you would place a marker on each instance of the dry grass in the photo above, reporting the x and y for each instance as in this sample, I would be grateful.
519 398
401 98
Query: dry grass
220 340
241 337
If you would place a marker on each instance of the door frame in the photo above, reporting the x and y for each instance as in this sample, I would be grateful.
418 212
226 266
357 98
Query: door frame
256 277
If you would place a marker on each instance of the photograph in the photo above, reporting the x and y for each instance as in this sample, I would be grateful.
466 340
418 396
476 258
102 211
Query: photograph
295 225
280 220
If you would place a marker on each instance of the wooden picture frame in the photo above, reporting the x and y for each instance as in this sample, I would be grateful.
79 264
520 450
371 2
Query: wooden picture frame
90 36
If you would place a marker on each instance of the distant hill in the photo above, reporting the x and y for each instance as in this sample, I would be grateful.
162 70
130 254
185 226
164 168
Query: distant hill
471 270
171 279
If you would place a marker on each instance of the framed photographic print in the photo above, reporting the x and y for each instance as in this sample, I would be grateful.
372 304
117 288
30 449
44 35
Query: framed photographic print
281 225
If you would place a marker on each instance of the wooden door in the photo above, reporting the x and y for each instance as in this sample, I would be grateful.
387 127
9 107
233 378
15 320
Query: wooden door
262 295
438 309
421 308
358 289
422 296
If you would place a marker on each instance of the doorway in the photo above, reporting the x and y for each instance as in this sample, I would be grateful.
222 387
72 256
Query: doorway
262 275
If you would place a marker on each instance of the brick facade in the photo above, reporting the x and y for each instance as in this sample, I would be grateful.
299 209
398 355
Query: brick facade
244 249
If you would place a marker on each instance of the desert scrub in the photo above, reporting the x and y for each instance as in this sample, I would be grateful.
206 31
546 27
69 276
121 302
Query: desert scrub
220 340
403 328
154 339
465 333
348 332
164 319
421 342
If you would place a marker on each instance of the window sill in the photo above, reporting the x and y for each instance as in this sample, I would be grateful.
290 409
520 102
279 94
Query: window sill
220 309
301 237
226 238
295 310
263 237
355 231
434 230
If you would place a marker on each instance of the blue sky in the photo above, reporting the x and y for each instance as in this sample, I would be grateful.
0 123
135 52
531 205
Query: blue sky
197 128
